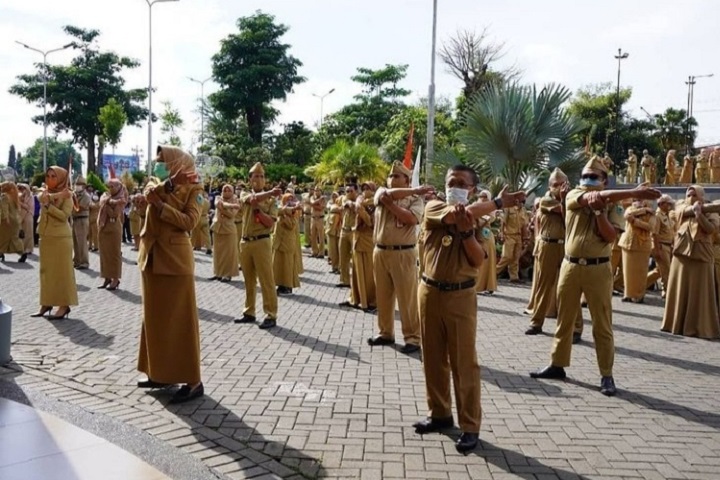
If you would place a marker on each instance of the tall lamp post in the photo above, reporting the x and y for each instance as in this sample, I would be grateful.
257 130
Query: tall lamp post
202 107
322 98
150 5
430 141
619 57
692 80
44 54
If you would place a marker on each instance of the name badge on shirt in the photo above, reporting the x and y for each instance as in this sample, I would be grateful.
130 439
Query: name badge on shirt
447 240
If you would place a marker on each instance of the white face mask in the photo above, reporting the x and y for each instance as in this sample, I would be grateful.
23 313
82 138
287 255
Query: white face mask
456 196
79 189
95 198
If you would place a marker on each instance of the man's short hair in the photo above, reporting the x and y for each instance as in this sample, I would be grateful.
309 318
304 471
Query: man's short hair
464 168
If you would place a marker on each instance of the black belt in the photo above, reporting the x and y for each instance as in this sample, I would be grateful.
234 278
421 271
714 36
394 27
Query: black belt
448 287
394 247
81 216
258 237
553 240
318 216
587 261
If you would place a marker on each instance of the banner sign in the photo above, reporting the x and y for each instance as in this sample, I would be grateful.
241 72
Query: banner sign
121 163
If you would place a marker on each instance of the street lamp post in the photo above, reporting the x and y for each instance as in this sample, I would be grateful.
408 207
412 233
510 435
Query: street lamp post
322 99
692 80
202 107
150 4
44 54
430 141
619 57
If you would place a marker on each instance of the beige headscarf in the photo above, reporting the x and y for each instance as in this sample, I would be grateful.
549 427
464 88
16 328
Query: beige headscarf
177 160
120 196
10 189
63 183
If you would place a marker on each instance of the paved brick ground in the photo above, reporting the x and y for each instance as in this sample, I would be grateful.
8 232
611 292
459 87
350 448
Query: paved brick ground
310 399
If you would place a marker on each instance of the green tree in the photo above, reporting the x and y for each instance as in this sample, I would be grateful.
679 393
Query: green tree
515 134
12 158
294 145
112 118
367 118
671 128
253 68
597 105
58 153
396 133
343 160
76 92
170 120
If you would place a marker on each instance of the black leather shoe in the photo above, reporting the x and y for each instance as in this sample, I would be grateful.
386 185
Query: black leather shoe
245 319
410 348
551 372
22 258
185 394
342 285
577 338
467 442
268 323
377 341
430 425
371 310
533 331
152 384
607 386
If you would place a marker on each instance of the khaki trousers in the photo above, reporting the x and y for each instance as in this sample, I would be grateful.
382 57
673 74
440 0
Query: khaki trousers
448 329
256 261
549 261
345 257
81 229
93 237
306 228
533 291
362 282
512 249
239 229
334 251
396 276
595 281
201 236
317 236
662 267
617 267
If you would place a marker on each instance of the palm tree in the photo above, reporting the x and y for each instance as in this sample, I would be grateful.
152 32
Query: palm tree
343 160
515 135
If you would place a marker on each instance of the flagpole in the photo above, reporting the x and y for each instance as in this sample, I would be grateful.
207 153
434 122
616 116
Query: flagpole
431 103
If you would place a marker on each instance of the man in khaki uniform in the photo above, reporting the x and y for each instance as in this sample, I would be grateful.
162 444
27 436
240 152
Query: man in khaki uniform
259 212
550 253
81 225
586 269
663 243
514 231
346 235
239 191
332 229
649 168
715 165
632 164
317 234
201 232
362 281
307 216
399 210
608 162
702 167
452 255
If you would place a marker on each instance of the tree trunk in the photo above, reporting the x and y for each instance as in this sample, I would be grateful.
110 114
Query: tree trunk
253 116
91 154
101 149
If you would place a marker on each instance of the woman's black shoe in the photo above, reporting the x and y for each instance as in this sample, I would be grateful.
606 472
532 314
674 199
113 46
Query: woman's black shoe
23 257
185 394
152 384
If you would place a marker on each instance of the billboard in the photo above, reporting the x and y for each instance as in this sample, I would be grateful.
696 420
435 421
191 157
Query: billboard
121 163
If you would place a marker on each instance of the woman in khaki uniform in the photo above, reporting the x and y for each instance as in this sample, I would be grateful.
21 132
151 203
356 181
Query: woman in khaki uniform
636 244
702 167
332 229
10 241
110 221
27 208
57 275
690 305
670 168
94 214
170 337
225 253
287 253
687 170
137 217
201 233
362 279
487 274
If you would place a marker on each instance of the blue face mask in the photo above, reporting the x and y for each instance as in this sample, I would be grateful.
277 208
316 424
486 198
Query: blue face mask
160 170
587 182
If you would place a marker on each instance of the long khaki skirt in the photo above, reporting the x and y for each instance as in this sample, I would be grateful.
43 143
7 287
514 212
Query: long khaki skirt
225 255
110 240
57 275
635 271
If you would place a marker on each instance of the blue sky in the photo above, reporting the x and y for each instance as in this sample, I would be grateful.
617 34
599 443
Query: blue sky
563 41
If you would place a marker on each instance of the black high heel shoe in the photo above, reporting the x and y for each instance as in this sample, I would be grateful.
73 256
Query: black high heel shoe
104 285
22 258
42 312
185 394
114 287
65 314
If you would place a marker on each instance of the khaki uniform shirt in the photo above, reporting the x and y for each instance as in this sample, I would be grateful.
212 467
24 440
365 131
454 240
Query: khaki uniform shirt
349 217
582 238
334 218
84 201
665 227
389 230
363 229
251 228
515 220
444 258
224 221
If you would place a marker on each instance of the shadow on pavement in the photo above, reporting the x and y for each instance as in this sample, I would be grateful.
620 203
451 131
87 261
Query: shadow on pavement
690 414
307 300
312 281
79 333
252 453
315 344
516 383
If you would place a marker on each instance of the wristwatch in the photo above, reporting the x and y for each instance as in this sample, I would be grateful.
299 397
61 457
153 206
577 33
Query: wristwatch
597 212
498 203
466 235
